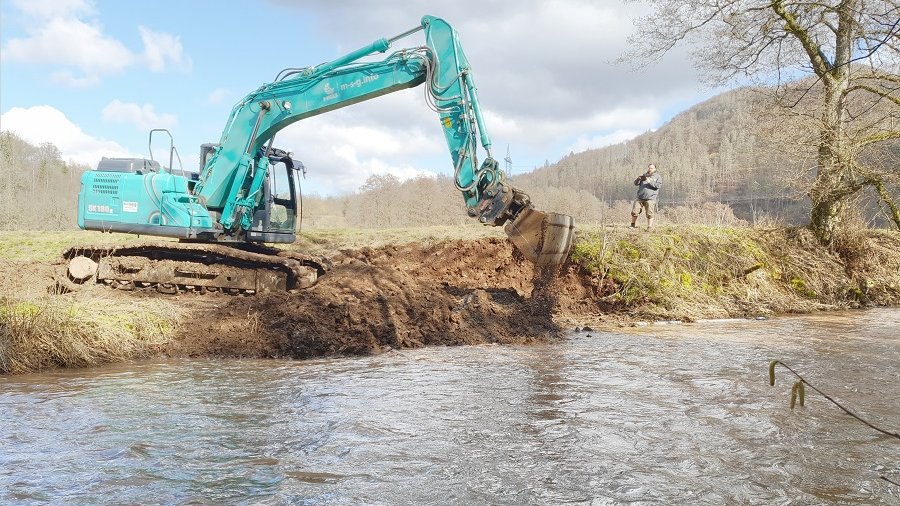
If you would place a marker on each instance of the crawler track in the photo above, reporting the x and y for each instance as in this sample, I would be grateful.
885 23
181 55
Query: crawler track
171 267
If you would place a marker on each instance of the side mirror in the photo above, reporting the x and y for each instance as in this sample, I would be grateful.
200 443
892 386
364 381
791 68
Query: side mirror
298 165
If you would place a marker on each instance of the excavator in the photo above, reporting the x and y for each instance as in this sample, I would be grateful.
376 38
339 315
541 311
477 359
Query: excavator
243 199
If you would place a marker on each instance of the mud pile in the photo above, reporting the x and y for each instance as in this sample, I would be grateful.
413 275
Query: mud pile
372 300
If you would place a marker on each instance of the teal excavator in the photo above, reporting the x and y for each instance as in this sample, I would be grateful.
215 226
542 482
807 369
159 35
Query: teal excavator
224 216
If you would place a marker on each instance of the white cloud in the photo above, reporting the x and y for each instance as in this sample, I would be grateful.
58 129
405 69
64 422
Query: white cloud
543 68
586 142
160 48
72 43
218 95
341 153
43 123
527 130
142 117
66 78
65 34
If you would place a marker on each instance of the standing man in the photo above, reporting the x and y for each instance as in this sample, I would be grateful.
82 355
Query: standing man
648 191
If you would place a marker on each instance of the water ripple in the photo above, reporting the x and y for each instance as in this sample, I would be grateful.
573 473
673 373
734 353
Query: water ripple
667 414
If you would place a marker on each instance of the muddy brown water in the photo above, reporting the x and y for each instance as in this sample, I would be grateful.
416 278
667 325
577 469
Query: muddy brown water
659 414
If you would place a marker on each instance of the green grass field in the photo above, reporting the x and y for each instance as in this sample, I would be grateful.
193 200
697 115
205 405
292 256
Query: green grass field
42 246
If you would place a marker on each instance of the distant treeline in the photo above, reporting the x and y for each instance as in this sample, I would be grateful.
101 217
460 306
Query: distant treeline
38 189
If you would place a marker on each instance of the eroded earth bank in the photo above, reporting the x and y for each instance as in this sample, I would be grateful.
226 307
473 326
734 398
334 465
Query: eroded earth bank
448 293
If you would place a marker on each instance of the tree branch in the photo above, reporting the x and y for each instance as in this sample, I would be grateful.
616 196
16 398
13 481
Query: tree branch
792 26
873 90
875 138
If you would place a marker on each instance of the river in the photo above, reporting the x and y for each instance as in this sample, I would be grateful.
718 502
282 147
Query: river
659 414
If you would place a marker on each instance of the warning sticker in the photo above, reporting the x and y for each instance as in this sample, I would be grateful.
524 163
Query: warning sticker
129 207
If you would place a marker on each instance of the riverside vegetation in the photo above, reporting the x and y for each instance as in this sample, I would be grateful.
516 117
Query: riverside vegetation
616 276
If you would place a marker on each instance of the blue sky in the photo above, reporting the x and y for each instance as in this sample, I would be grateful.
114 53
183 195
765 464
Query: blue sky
94 76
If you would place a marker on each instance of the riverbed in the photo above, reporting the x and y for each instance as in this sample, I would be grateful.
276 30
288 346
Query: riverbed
657 414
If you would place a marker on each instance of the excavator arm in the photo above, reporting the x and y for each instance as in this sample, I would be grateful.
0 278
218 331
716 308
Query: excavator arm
231 181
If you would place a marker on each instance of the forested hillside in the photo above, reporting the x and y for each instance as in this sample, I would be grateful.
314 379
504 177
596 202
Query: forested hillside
721 151
38 190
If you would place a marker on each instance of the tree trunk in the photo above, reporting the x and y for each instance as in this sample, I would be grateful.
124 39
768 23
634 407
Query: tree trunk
886 197
828 193
826 216
833 185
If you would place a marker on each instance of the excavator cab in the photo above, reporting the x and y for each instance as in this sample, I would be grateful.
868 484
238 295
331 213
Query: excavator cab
275 218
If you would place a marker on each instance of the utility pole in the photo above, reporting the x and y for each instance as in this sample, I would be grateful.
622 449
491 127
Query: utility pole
508 162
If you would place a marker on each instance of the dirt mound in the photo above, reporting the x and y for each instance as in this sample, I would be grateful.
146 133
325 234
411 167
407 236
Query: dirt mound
26 280
460 292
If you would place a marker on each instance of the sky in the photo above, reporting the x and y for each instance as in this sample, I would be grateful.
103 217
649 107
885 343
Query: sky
94 76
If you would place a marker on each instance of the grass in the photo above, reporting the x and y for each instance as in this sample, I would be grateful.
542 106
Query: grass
692 272
47 246
65 332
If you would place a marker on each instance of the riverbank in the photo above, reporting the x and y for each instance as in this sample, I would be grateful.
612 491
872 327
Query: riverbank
432 287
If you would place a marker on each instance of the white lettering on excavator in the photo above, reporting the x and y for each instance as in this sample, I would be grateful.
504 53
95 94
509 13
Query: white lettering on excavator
329 92
93 208
359 82
129 207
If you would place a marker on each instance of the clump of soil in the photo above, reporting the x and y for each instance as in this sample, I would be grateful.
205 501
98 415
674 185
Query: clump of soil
394 297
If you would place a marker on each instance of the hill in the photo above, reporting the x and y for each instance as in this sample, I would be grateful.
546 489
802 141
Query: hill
718 151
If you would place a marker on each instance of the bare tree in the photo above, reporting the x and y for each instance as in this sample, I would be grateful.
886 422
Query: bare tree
850 47
380 182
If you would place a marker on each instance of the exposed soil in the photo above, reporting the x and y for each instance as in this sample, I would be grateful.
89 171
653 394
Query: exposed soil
372 300
461 292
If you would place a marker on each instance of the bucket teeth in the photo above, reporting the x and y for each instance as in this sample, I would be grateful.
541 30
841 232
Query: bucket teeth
544 238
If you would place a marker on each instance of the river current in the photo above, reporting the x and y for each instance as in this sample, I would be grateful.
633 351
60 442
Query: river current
663 414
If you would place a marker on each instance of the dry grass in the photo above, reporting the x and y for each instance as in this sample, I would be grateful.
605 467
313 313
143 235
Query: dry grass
45 246
693 272
329 241
66 332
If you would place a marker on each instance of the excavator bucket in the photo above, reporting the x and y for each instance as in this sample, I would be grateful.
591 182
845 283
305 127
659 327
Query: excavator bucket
544 238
